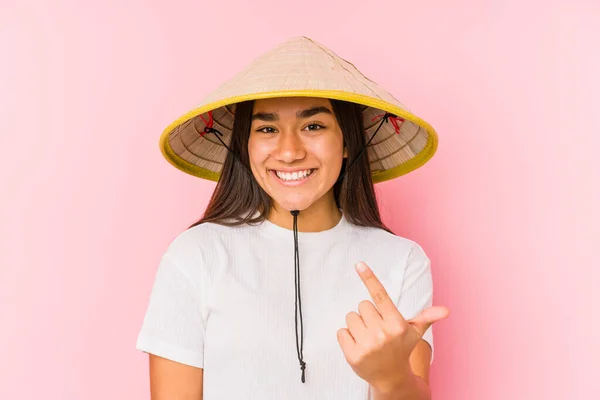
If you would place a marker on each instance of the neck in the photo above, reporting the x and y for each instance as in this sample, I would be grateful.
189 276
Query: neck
316 218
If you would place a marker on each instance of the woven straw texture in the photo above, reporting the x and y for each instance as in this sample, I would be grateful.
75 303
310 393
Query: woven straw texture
301 67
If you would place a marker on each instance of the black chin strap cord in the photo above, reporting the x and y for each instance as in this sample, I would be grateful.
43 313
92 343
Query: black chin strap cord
218 135
298 300
384 119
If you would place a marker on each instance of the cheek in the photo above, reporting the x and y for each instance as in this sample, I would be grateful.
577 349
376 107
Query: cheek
258 152
330 152
255 150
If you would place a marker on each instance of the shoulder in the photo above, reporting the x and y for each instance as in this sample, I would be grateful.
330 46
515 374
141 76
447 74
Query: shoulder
205 244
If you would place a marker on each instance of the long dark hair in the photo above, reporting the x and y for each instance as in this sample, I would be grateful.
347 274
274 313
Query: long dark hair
238 196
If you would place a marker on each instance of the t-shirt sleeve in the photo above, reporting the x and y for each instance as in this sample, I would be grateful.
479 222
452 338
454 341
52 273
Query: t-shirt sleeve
417 289
173 326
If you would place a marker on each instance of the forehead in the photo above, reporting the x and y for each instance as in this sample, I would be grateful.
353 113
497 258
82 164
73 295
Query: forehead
289 105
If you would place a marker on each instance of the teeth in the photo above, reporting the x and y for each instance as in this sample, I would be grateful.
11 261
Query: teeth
293 176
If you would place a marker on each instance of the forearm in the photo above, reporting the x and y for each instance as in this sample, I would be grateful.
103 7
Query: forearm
412 387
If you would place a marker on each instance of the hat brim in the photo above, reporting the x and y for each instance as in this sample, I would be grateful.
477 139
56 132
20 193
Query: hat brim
412 164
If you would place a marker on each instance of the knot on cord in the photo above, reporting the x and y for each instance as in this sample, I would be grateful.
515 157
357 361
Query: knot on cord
391 118
209 125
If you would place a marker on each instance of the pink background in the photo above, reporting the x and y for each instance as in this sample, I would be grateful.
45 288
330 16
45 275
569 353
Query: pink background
507 209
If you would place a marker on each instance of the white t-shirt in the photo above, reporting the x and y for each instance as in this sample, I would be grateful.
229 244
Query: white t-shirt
223 300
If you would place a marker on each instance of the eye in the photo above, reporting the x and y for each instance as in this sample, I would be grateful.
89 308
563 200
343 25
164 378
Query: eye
266 129
314 127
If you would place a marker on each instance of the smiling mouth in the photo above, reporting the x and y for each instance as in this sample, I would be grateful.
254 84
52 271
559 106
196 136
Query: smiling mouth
293 177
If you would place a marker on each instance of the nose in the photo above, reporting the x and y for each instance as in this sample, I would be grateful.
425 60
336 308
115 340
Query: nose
289 148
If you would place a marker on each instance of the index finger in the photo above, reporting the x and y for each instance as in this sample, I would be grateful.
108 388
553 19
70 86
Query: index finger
380 297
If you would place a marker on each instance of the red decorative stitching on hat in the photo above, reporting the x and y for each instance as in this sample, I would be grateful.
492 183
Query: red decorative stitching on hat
209 124
393 119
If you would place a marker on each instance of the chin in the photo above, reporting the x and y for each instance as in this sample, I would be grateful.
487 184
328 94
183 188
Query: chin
294 204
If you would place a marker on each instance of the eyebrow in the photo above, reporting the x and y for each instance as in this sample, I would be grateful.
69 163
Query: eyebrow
300 114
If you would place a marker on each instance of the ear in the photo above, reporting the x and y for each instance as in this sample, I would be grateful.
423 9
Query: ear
345 152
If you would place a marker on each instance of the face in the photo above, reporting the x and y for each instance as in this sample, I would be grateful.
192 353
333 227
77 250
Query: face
296 150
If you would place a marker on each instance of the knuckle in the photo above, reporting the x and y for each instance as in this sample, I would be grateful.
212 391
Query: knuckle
380 337
395 329
376 340
375 345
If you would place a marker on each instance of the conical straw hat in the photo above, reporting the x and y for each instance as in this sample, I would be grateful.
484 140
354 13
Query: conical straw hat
300 67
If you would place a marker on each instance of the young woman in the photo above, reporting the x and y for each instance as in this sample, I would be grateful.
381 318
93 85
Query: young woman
295 142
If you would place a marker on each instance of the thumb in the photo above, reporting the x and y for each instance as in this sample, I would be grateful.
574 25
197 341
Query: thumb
427 317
